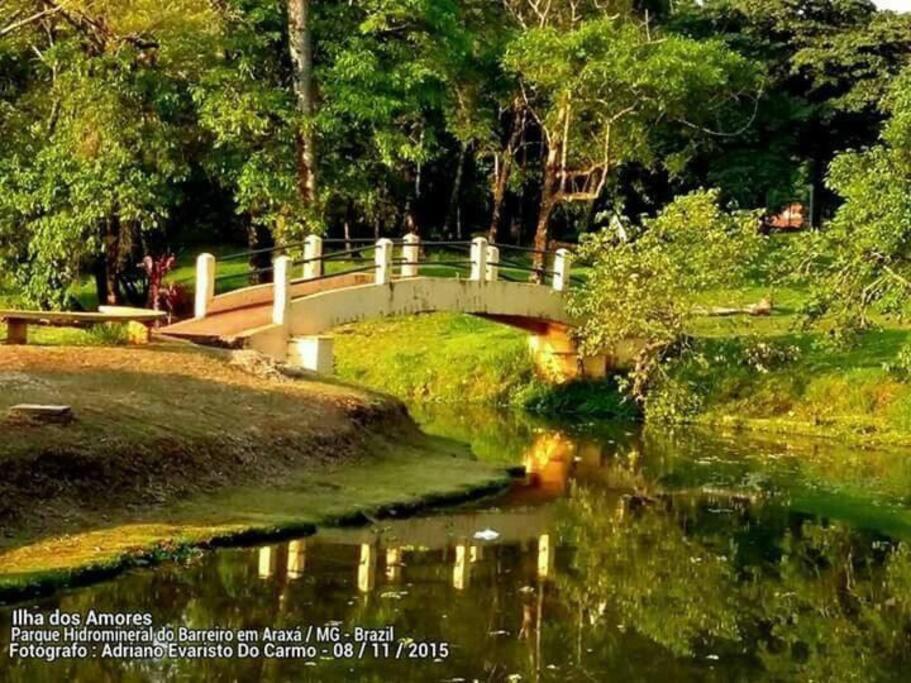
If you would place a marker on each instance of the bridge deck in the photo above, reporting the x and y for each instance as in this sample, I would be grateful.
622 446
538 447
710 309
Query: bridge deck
248 309
222 326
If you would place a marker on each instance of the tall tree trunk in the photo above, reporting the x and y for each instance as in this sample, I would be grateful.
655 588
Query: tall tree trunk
259 238
111 262
410 224
499 194
301 49
101 278
507 159
452 210
550 197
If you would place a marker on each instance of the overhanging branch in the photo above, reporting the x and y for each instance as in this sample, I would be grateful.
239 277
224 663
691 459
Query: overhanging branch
22 23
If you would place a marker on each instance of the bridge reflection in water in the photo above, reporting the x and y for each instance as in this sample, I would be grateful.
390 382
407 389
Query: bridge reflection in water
549 461
393 556
672 556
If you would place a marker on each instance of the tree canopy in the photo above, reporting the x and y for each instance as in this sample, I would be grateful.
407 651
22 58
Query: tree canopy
138 128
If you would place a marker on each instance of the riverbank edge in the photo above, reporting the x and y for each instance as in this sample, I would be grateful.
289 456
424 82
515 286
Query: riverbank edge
783 428
310 436
40 584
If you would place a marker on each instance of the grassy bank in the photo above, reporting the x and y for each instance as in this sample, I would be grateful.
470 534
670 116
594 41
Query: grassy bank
449 357
173 447
438 357
799 383
751 372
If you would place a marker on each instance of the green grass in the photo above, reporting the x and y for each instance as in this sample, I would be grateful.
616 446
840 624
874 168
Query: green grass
419 474
110 334
437 357
827 391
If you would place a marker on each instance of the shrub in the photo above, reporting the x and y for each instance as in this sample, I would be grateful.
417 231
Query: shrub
900 367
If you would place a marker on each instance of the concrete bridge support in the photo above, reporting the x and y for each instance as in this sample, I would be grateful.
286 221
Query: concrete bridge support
557 359
312 353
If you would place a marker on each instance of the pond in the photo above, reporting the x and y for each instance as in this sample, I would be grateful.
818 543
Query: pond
627 554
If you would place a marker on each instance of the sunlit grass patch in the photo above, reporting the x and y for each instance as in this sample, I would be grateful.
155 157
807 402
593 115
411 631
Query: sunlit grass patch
439 356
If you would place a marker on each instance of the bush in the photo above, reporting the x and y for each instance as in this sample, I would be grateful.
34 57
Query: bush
110 334
589 398
764 356
900 368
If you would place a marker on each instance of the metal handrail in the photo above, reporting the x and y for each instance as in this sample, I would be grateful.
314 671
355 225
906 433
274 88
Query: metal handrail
362 269
335 255
372 241
461 262
368 244
529 250
264 250
245 273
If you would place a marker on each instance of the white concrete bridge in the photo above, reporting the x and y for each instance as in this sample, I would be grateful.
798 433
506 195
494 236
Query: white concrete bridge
290 318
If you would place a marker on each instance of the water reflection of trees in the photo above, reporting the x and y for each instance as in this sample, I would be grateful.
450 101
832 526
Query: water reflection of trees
779 594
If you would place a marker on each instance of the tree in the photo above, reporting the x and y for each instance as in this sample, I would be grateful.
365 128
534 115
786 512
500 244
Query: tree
401 83
249 120
301 50
861 265
599 87
828 63
643 288
94 154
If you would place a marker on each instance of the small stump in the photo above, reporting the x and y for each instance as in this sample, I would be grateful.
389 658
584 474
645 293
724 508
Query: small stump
41 414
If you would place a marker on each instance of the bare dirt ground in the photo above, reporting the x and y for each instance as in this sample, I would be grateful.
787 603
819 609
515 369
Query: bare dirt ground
159 423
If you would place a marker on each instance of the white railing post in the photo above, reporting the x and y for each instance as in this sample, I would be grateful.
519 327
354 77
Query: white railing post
411 252
478 259
313 251
205 284
493 264
562 260
281 289
384 261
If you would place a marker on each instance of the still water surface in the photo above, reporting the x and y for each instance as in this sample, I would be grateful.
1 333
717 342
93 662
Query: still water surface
627 555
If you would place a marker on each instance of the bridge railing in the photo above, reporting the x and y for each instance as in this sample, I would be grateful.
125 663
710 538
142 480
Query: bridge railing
309 262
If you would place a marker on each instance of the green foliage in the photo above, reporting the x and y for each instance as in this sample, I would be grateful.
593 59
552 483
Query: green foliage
900 368
110 334
399 81
245 108
93 151
642 289
603 88
602 399
828 64
861 265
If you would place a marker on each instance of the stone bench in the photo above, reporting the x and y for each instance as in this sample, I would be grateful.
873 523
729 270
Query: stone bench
17 322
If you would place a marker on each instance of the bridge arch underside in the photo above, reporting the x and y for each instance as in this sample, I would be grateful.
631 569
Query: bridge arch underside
540 311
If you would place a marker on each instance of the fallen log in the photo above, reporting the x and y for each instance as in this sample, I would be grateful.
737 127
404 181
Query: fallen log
764 307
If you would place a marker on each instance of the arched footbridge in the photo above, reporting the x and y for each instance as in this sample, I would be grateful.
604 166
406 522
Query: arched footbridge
291 318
